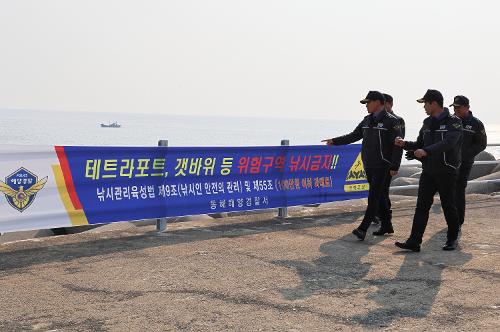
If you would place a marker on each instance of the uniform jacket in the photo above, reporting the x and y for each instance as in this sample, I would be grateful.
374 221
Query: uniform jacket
401 124
442 140
378 134
474 138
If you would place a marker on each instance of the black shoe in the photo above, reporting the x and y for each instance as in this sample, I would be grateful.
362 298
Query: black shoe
384 230
360 234
408 246
450 245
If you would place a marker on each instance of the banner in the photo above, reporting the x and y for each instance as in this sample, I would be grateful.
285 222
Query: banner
67 186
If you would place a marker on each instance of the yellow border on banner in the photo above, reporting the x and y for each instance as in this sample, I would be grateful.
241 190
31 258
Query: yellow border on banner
77 217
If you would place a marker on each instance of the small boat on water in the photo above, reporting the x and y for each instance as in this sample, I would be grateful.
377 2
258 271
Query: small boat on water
111 125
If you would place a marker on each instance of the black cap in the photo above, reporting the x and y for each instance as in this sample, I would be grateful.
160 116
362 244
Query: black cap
388 98
430 96
373 95
460 101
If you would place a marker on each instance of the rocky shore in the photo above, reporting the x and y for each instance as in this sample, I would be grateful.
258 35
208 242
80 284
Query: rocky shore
410 175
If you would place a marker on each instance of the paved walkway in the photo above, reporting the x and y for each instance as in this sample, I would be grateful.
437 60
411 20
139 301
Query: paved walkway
256 273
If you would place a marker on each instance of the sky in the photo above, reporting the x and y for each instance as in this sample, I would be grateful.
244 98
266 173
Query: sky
262 58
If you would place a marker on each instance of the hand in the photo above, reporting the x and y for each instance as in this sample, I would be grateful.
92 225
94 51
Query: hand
393 173
328 141
399 142
420 153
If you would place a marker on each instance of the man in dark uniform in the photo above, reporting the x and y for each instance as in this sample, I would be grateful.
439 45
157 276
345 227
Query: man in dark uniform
388 107
378 130
438 146
474 141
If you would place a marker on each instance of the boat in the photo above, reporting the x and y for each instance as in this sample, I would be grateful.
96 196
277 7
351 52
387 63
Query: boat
111 125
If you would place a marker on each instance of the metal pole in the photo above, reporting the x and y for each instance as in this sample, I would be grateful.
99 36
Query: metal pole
283 211
161 223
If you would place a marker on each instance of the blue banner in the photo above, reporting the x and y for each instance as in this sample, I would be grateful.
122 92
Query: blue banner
111 184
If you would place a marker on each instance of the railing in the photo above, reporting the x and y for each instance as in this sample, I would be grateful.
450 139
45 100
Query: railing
161 224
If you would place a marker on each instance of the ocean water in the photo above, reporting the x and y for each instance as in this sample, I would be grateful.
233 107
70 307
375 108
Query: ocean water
79 128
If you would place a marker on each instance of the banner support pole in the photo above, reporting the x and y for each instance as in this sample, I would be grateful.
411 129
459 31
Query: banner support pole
161 223
283 211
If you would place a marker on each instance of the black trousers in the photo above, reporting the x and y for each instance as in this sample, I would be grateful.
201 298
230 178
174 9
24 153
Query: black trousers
429 184
385 200
378 198
463 176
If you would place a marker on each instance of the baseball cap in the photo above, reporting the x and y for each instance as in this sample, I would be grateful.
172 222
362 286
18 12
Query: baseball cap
430 96
373 95
460 101
388 98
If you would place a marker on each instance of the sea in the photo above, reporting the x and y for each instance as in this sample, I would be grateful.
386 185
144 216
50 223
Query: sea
28 127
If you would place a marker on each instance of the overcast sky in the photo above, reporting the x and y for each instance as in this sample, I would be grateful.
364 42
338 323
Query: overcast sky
276 58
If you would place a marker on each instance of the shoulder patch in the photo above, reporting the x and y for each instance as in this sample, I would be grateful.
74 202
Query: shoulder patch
457 125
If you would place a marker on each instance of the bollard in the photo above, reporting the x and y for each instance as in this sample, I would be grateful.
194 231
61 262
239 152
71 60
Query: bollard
283 211
161 223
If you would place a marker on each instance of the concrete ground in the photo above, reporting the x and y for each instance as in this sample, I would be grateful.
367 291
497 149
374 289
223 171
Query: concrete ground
257 273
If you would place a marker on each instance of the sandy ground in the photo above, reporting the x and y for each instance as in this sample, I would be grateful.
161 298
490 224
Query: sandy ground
257 273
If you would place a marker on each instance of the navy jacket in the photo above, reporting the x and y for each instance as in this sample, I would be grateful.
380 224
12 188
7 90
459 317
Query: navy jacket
378 134
401 124
474 138
442 140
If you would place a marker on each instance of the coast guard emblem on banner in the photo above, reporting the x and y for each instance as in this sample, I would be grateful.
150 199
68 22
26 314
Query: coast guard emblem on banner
20 188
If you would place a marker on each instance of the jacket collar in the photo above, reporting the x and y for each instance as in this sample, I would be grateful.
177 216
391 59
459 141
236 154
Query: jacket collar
469 116
379 115
441 117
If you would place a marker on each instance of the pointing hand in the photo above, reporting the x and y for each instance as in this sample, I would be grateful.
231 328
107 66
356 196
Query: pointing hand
328 141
